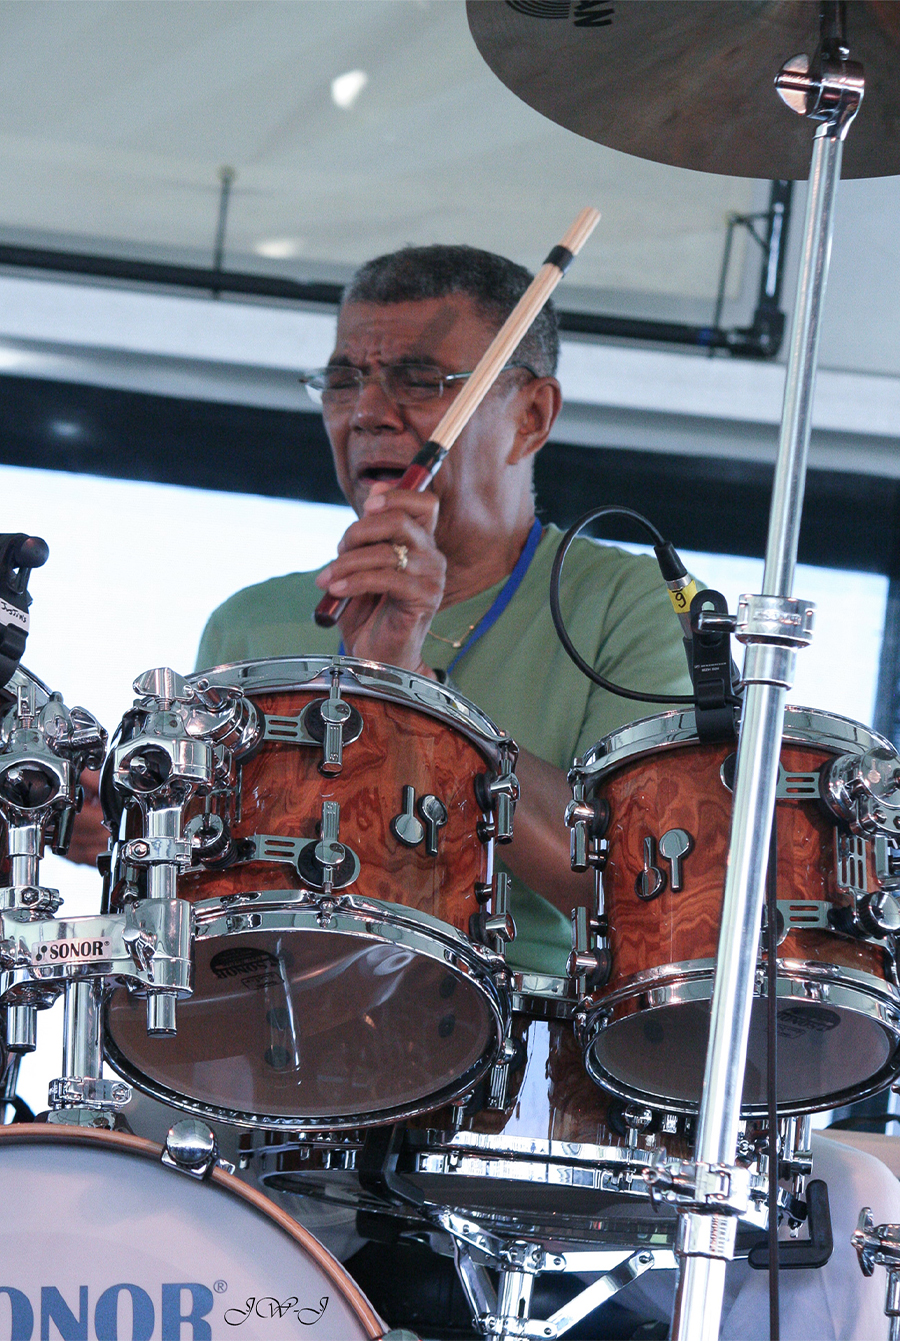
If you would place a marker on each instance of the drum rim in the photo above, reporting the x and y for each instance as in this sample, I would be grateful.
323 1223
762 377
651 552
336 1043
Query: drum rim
120 1141
542 996
860 992
369 679
449 947
677 727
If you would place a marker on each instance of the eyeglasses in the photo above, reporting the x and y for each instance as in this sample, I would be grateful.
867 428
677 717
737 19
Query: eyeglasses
403 383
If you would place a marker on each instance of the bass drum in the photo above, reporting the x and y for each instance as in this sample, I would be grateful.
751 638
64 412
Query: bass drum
104 1240
371 1002
645 1031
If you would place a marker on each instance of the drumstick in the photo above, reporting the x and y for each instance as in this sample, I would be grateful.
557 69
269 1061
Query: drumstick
427 460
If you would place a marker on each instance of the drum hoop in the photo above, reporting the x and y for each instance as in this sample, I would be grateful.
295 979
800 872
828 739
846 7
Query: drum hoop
677 728
26 1133
862 993
368 679
449 947
353 914
672 977
527 1151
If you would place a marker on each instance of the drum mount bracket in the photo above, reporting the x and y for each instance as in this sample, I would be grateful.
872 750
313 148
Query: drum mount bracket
880 1246
504 1310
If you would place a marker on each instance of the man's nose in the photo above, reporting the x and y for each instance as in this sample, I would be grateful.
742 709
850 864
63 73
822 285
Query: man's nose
374 408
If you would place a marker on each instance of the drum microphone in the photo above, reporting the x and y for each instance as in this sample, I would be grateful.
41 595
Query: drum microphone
681 586
19 553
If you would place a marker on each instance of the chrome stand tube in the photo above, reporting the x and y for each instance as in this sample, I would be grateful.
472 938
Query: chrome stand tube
80 1095
82 1028
768 671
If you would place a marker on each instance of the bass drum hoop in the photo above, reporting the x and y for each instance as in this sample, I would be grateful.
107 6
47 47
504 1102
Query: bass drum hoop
125 1142
279 911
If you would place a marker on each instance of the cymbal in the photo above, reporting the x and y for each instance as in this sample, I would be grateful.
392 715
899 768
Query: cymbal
691 82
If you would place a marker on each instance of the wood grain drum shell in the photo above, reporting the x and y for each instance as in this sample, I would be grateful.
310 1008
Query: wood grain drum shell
378 1006
645 1031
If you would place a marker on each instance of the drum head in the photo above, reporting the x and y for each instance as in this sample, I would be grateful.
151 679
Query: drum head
313 1027
107 1241
826 1052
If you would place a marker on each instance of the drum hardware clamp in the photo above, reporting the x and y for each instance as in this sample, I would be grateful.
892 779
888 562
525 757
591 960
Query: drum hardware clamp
497 928
590 966
880 1246
588 820
718 1188
497 794
192 1148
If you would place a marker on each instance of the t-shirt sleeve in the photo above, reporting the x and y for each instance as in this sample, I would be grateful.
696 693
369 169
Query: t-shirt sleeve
222 641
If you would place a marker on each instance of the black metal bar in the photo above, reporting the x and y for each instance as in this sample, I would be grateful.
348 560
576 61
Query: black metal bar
760 340
226 177
164 275
638 328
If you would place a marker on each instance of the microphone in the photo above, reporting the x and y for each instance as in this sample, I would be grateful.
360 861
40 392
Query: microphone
19 553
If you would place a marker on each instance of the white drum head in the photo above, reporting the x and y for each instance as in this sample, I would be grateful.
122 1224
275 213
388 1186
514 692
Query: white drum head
104 1241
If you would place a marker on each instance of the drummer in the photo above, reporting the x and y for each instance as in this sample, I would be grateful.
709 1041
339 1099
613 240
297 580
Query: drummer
453 583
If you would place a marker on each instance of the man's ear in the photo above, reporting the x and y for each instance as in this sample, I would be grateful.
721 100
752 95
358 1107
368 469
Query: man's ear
541 403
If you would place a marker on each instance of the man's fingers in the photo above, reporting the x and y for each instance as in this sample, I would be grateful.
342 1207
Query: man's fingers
420 578
423 506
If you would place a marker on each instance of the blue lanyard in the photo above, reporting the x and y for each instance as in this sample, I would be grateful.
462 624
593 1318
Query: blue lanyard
503 597
505 594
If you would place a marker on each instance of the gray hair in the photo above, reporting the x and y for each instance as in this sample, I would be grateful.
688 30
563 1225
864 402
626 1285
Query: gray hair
493 283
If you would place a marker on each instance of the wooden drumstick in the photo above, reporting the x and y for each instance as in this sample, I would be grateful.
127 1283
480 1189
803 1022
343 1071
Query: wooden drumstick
427 460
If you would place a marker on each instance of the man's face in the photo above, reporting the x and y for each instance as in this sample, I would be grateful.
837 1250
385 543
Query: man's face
375 439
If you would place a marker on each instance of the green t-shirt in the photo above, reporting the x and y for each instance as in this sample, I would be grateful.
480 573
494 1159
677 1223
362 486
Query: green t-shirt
618 614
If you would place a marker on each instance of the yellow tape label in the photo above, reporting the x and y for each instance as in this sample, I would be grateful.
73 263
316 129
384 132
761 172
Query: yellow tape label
681 599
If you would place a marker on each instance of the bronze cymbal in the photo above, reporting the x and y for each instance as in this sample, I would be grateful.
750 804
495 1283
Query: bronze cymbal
691 82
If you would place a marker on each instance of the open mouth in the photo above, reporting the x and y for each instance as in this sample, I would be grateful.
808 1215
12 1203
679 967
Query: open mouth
389 473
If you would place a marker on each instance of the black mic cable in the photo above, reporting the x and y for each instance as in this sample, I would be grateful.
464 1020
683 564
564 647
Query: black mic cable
681 587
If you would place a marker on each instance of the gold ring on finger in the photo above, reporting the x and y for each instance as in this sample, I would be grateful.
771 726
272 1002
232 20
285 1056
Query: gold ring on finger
402 553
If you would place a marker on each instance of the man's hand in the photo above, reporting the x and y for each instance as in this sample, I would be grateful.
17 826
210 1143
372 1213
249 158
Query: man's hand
392 606
89 835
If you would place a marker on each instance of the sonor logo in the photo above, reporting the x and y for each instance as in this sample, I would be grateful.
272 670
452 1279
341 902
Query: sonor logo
122 1312
65 951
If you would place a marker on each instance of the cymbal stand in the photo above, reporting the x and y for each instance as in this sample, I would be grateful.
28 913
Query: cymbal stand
44 746
773 626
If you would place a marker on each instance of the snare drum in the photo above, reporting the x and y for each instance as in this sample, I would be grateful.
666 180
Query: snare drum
546 1154
103 1238
645 1032
357 1005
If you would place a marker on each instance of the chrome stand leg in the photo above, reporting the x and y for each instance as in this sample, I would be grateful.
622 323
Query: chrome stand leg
505 1313
80 1096
832 95
879 1245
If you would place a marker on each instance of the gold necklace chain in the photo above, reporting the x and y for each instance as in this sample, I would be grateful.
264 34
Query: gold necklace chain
455 643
